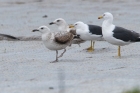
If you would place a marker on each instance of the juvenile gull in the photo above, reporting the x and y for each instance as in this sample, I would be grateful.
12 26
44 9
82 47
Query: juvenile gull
88 32
117 35
61 23
55 40
63 26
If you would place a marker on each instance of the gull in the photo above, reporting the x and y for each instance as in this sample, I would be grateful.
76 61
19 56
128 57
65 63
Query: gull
63 26
88 32
117 35
55 40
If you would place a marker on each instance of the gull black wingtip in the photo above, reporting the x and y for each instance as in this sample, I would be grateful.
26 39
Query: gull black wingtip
51 23
35 30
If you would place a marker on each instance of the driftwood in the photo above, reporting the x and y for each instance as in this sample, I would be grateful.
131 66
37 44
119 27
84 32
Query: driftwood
22 38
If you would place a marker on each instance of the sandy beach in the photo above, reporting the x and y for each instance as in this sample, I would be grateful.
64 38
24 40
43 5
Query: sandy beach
25 65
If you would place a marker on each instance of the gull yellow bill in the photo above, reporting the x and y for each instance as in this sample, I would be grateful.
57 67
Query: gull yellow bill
100 17
71 26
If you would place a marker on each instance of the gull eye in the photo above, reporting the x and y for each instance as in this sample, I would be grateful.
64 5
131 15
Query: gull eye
41 28
75 24
103 14
58 20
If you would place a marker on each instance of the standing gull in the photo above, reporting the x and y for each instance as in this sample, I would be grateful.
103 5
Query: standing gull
55 40
117 35
88 32
63 26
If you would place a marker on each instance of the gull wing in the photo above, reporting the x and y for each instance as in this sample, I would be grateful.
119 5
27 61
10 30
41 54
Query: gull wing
63 37
73 31
126 35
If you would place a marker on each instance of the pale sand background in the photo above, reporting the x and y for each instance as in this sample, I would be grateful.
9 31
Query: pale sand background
25 67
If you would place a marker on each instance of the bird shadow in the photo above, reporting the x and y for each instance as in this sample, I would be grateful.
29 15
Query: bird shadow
72 60
127 56
98 50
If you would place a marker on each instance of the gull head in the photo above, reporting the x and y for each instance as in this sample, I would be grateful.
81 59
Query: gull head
106 16
42 29
59 22
79 25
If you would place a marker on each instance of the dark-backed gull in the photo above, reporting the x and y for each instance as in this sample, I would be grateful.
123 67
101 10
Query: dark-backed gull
117 35
55 40
63 26
88 32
